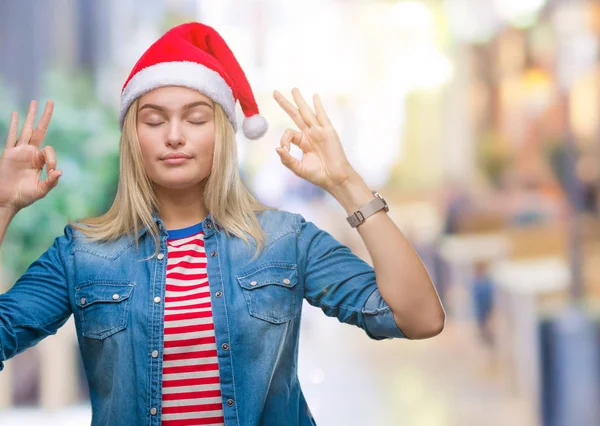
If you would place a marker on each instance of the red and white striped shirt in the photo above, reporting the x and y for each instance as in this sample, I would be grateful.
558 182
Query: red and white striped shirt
191 392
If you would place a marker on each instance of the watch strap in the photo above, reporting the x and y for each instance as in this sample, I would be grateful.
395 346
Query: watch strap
365 211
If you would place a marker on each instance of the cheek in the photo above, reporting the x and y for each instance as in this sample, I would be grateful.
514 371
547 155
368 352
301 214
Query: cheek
147 143
208 146
210 140
206 141
144 148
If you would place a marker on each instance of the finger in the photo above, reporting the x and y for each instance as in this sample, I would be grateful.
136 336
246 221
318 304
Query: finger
40 130
305 110
321 114
46 156
28 125
50 182
297 138
289 161
13 130
290 109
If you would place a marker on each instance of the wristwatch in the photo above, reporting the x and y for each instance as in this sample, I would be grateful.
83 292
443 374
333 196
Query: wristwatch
369 209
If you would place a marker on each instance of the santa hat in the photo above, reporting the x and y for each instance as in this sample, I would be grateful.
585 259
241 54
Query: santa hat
195 56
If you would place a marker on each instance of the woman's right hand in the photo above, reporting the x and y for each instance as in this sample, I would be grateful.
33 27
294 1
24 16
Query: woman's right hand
22 161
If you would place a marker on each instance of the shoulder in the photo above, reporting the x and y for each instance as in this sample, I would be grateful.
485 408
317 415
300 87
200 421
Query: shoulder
65 241
278 222
79 242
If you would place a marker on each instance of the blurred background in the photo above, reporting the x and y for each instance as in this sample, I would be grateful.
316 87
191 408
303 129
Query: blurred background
477 120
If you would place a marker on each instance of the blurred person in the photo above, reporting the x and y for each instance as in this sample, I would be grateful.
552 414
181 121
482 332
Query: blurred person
187 292
482 293
457 202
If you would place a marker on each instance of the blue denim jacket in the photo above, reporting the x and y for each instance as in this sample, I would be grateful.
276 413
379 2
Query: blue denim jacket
256 326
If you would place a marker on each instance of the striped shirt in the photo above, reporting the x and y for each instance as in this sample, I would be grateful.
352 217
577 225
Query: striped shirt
191 392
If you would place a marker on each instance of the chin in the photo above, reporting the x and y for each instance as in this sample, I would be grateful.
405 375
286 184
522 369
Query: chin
179 183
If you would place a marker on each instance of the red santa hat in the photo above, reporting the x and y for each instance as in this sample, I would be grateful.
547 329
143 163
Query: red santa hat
195 56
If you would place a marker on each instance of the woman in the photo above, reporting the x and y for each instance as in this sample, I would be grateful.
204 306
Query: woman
187 293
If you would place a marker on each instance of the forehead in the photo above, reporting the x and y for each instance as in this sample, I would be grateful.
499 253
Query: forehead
173 97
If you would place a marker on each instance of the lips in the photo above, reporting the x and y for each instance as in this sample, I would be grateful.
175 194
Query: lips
174 156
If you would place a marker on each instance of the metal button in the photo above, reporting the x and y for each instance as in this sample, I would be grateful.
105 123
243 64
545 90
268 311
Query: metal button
115 296
230 402
160 256
213 254
253 283
208 225
82 300
286 281
155 354
225 346
157 299
218 294
153 411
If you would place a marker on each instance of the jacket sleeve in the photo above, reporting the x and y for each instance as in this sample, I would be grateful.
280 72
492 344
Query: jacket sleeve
37 305
342 284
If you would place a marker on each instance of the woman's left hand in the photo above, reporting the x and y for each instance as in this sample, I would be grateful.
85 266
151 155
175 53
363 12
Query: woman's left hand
323 162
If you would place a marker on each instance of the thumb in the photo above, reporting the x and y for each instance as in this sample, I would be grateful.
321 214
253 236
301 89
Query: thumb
50 182
289 161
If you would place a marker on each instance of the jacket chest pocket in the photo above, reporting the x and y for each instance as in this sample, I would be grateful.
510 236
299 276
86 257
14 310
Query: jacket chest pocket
270 292
103 307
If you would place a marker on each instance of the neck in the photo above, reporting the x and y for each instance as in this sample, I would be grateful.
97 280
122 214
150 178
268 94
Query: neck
180 208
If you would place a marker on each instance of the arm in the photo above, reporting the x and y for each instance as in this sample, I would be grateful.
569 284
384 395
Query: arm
6 215
402 278
342 284
38 304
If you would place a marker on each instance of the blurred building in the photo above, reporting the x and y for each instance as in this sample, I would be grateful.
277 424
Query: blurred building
37 36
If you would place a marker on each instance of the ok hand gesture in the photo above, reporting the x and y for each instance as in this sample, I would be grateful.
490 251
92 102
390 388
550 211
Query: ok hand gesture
323 162
22 161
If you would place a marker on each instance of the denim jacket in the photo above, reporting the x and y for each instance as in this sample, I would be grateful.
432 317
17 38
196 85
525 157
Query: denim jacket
116 298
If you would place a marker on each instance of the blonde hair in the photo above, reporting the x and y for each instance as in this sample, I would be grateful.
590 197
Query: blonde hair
229 202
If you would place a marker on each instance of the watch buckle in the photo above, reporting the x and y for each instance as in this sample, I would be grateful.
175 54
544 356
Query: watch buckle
359 215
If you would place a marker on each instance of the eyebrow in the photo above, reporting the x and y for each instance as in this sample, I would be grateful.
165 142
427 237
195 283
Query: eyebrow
186 106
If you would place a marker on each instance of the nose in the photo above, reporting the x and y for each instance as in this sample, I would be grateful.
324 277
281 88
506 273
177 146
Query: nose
175 135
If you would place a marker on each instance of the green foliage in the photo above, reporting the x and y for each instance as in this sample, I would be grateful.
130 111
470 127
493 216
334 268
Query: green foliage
85 136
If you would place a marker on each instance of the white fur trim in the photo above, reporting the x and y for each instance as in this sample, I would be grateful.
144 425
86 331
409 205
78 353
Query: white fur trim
187 74
255 127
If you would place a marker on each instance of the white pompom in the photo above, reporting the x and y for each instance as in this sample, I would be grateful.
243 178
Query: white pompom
255 127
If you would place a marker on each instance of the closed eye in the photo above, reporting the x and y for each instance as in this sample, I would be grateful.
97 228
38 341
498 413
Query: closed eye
153 124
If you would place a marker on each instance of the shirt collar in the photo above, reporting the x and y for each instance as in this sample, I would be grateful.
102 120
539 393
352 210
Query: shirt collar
161 226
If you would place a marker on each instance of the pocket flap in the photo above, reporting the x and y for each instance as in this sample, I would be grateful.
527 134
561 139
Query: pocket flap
102 291
285 276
